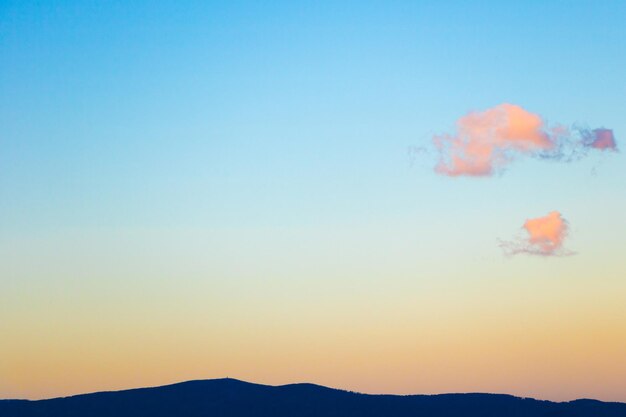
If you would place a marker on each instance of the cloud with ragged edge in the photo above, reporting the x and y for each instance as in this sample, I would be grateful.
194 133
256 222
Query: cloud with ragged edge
544 236
486 142
602 139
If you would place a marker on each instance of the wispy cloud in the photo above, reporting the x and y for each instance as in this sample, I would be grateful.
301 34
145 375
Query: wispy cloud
486 142
544 236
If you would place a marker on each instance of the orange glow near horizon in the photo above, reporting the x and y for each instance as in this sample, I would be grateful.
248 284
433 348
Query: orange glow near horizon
521 344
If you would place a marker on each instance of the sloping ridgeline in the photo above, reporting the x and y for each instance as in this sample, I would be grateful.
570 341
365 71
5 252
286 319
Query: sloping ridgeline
233 398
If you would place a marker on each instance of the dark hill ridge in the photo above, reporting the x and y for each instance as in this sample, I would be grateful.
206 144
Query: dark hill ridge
233 398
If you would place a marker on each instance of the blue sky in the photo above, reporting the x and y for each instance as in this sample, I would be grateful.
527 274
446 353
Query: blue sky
170 107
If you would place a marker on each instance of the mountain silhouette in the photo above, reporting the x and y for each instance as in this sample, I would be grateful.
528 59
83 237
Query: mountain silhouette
233 398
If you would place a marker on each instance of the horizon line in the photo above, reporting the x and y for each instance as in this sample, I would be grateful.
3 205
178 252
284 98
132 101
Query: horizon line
308 383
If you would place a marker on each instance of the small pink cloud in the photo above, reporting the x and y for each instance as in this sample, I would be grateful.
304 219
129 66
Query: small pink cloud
485 142
544 237
602 139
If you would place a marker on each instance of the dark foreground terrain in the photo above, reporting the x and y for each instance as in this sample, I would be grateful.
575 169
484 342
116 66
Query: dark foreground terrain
233 398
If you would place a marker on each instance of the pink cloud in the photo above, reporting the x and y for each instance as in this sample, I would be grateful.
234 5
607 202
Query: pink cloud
602 139
485 142
544 237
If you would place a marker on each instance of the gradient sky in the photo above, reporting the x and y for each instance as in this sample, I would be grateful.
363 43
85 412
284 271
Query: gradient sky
216 189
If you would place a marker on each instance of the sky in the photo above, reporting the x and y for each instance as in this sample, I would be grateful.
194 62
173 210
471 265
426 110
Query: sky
194 190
